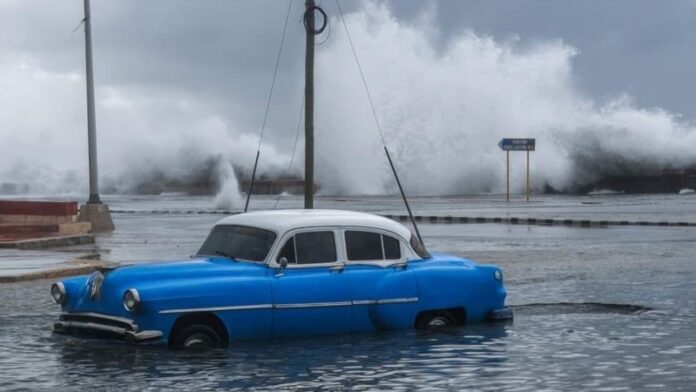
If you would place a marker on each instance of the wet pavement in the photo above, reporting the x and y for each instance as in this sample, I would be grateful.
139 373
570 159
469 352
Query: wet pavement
569 285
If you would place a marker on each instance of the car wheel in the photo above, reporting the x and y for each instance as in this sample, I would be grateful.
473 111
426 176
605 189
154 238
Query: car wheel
197 337
435 320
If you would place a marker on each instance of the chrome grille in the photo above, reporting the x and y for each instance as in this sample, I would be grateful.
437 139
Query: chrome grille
96 322
104 325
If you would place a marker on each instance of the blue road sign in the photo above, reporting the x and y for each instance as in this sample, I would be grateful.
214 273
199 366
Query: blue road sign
517 144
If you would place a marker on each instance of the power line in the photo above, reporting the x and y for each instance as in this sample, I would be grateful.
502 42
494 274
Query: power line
294 151
268 107
362 75
379 128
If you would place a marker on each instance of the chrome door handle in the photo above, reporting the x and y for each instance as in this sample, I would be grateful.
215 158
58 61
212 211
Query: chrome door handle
338 268
401 266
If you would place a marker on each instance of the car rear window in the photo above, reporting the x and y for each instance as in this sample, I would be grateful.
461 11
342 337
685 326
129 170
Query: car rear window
238 242
365 245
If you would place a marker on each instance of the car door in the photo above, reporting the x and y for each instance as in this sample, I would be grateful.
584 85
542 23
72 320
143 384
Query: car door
383 288
312 294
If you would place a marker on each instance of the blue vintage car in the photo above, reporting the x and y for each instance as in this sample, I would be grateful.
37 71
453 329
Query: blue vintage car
284 273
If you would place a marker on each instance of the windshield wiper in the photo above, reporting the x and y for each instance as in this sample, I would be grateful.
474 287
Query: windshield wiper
223 254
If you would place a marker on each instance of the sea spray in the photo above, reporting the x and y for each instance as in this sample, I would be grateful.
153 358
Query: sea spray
228 196
443 109
144 135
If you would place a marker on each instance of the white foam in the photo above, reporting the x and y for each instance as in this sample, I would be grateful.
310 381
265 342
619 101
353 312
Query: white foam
444 109
228 196
603 192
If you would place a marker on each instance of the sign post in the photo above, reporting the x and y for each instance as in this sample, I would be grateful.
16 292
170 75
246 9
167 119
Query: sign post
527 175
507 175
508 145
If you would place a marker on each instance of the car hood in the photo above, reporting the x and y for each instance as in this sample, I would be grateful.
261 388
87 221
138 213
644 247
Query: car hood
193 268
159 277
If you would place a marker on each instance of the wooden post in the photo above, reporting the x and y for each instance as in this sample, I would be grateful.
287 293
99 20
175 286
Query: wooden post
507 175
309 106
527 175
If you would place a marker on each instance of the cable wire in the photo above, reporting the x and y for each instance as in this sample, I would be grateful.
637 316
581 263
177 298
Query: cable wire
362 75
268 107
379 128
294 151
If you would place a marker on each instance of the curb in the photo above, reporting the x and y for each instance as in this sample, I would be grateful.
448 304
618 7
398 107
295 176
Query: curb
457 219
49 242
81 267
179 212
534 221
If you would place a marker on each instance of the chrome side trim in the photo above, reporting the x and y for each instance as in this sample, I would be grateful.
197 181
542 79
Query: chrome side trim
365 302
312 305
217 308
294 306
397 300
385 301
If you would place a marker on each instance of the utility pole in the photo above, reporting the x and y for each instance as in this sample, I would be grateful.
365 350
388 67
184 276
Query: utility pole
309 105
94 211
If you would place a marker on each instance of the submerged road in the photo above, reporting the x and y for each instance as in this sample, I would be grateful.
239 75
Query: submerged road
556 346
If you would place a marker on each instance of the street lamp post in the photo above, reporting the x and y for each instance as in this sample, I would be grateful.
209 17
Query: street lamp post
94 211
91 115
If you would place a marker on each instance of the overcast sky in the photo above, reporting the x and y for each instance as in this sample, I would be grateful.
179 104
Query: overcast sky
218 56
643 47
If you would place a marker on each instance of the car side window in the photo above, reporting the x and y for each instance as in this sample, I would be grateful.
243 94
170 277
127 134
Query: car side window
288 251
315 247
365 245
392 248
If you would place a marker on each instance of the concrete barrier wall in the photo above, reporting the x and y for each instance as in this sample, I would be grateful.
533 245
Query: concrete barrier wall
35 220
44 208
457 219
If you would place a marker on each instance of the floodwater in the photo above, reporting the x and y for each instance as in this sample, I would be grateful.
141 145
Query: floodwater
597 309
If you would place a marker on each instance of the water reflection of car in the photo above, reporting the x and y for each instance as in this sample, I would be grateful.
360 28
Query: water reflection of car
284 273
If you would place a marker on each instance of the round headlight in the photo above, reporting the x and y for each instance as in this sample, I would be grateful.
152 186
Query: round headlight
131 299
498 275
58 292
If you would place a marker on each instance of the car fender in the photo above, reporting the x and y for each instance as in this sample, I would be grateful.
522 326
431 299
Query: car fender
243 304
459 285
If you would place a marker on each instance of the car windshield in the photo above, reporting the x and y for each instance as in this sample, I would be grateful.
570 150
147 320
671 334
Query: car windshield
238 242
418 247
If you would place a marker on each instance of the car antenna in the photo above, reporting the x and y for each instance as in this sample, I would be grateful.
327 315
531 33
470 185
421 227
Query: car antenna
379 128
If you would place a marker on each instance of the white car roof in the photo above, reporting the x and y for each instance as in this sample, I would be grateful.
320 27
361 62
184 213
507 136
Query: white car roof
282 221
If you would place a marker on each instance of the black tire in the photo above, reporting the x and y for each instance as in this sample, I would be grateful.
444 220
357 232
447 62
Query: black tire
196 337
435 320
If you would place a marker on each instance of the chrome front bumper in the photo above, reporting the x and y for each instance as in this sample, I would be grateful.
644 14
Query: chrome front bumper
96 323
